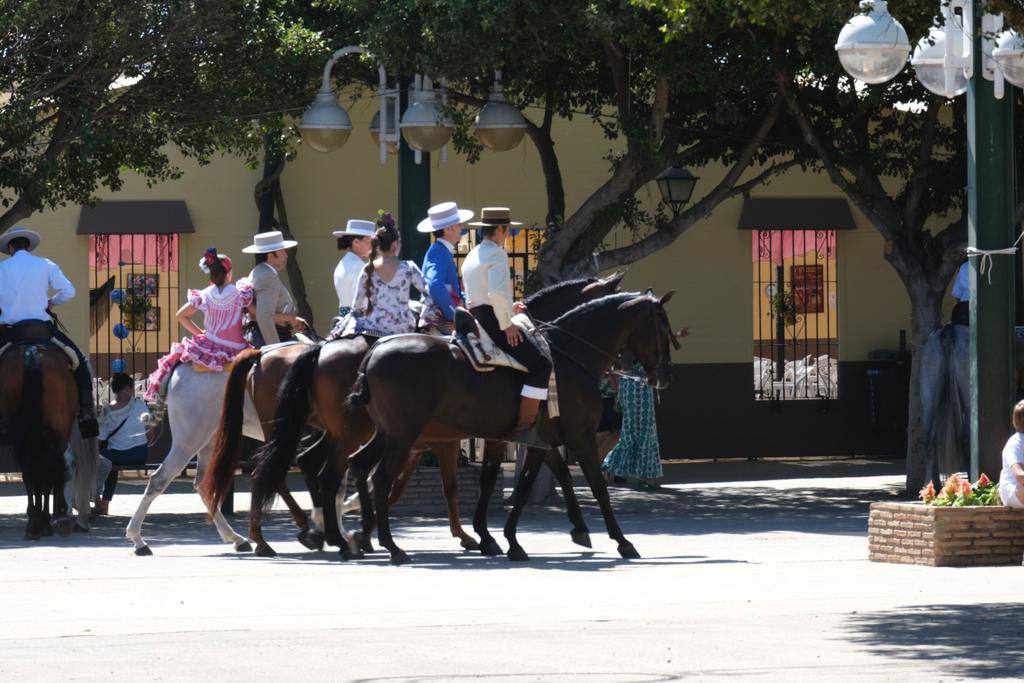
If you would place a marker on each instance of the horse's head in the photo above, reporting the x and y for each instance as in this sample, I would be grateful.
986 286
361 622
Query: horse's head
551 302
651 336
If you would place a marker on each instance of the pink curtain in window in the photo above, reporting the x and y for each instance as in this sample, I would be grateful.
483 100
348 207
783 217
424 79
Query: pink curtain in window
124 251
780 245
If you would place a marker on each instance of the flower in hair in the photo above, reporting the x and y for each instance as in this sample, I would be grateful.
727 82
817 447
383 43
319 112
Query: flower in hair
385 219
210 256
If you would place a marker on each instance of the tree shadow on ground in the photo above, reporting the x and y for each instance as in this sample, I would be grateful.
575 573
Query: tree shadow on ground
964 641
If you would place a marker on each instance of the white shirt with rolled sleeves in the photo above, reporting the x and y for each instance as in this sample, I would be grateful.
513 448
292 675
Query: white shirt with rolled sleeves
346 277
485 274
1013 454
25 284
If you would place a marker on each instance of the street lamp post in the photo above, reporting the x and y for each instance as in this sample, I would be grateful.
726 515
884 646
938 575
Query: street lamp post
418 111
869 48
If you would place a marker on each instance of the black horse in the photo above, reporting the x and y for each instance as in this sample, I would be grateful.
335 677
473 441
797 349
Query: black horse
419 388
314 392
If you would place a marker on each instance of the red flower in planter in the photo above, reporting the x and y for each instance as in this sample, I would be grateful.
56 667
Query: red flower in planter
982 481
927 494
965 487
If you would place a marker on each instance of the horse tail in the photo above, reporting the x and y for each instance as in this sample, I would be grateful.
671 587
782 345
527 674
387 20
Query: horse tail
227 444
34 444
275 458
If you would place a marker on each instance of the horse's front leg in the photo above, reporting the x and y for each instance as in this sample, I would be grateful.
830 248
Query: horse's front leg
494 453
556 463
586 449
520 495
448 462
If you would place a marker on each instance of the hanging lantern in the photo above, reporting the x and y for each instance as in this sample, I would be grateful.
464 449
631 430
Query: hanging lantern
325 126
390 130
121 331
873 47
499 125
676 185
117 296
1009 55
929 65
424 125
118 365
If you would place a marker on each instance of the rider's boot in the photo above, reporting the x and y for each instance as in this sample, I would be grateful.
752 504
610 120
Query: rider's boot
528 409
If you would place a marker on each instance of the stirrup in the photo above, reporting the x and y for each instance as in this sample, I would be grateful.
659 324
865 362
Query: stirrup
529 437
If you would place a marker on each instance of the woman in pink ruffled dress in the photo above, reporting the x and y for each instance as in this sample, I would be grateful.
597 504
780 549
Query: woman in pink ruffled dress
222 304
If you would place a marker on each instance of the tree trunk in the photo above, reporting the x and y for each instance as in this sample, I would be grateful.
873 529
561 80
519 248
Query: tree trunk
925 318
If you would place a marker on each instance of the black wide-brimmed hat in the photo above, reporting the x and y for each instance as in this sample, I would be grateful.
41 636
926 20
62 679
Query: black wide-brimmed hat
495 215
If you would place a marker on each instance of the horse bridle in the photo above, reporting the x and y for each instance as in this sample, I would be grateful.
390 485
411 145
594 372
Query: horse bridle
617 368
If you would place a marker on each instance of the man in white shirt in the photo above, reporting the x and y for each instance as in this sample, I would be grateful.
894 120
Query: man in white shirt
485 273
25 284
356 241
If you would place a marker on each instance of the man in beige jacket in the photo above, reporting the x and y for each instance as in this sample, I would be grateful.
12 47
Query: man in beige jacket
275 312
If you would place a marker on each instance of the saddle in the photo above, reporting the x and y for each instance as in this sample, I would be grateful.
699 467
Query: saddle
34 332
478 347
484 355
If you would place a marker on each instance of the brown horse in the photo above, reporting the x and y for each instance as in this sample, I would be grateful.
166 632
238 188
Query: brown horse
315 392
453 401
39 405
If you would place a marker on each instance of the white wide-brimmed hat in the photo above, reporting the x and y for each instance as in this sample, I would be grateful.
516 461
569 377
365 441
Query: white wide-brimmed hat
17 231
357 228
266 242
442 216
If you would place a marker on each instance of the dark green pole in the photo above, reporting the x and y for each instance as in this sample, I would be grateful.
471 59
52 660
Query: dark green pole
413 193
991 196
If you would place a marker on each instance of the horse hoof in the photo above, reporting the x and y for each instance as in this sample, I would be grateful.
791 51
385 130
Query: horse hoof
31 536
490 547
364 542
334 540
48 530
469 544
313 540
143 551
582 538
243 547
64 526
347 554
264 550
517 554
398 557
80 528
627 551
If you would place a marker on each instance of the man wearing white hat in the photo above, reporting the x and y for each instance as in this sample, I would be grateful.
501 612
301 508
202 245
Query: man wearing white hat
489 295
356 241
445 221
275 312
25 284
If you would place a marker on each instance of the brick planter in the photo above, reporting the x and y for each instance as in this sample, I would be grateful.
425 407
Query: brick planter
914 533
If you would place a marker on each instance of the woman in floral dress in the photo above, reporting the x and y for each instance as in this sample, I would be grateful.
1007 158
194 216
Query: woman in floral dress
637 453
222 304
381 306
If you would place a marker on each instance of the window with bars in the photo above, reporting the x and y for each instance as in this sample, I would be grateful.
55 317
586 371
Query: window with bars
796 324
133 298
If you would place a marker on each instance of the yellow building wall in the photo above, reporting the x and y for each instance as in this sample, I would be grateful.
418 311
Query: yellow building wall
709 265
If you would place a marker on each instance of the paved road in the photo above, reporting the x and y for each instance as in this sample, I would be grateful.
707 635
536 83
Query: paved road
752 571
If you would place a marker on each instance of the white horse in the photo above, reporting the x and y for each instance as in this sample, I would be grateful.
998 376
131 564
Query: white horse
193 408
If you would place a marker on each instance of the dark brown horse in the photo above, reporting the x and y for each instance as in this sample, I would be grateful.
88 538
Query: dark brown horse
419 388
315 393
39 405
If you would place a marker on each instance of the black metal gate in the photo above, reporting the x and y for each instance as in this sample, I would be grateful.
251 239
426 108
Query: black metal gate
796 327
133 298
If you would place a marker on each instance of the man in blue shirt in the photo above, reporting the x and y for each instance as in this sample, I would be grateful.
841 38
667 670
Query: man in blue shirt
445 221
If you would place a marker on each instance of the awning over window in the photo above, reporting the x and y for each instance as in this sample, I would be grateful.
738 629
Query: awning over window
796 213
135 218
